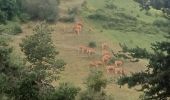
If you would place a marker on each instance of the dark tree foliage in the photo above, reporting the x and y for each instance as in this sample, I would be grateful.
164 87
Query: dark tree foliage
163 5
95 87
9 72
92 44
41 9
39 46
65 91
8 9
29 81
136 52
155 81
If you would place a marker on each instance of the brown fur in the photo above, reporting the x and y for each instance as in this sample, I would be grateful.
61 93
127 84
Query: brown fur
77 28
90 51
119 70
93 64
118 63
105 52
110 69
82 49
106 59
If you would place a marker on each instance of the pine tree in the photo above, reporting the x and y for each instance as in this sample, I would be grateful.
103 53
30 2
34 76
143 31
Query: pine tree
155 81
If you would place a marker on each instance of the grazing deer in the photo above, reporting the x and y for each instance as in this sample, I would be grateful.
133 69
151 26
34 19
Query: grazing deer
90 51
110 69
80 24
106 59
105 52
99 62
93 64
76 30
119 70
118 63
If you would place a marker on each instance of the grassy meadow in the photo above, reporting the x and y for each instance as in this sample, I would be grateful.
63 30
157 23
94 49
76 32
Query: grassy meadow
111 21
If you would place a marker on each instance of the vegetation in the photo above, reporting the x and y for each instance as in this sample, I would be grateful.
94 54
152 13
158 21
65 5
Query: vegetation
136 52
65 91
46 10
29 82
24 10
95 87
155 80
31 65
12 28
92 44
113 18
8 10
163 5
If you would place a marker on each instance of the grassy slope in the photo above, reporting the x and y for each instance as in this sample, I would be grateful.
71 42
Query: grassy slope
130 38
77 65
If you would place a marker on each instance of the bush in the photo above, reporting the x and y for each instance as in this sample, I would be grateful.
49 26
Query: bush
111 6
84 4
3 17
24 17
99 16
65 91
73 11
89 95
41 9
92 44
95 87
161 23
126 16
59 63
8 10
70 18
11 28
137 15
136 52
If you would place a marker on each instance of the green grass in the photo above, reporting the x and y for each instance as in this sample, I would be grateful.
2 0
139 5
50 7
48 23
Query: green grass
67 43
143 36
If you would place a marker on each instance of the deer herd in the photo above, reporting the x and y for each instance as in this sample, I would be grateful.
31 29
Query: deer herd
115 68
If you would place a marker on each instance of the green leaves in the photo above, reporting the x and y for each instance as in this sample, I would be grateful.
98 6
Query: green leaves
65 91
96 81
155 81
39 46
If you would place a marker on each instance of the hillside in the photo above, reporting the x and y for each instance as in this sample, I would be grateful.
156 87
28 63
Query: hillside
110 21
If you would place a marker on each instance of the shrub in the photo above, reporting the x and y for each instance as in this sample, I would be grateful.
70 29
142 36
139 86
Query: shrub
73 11
100 15
41 9
161 23
126 16
39 47
59 63
24 17
65 91
95 87
92 44
3 17
111 6
16 29
70 18
8 9
84 4
136 52
11 28
137 15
